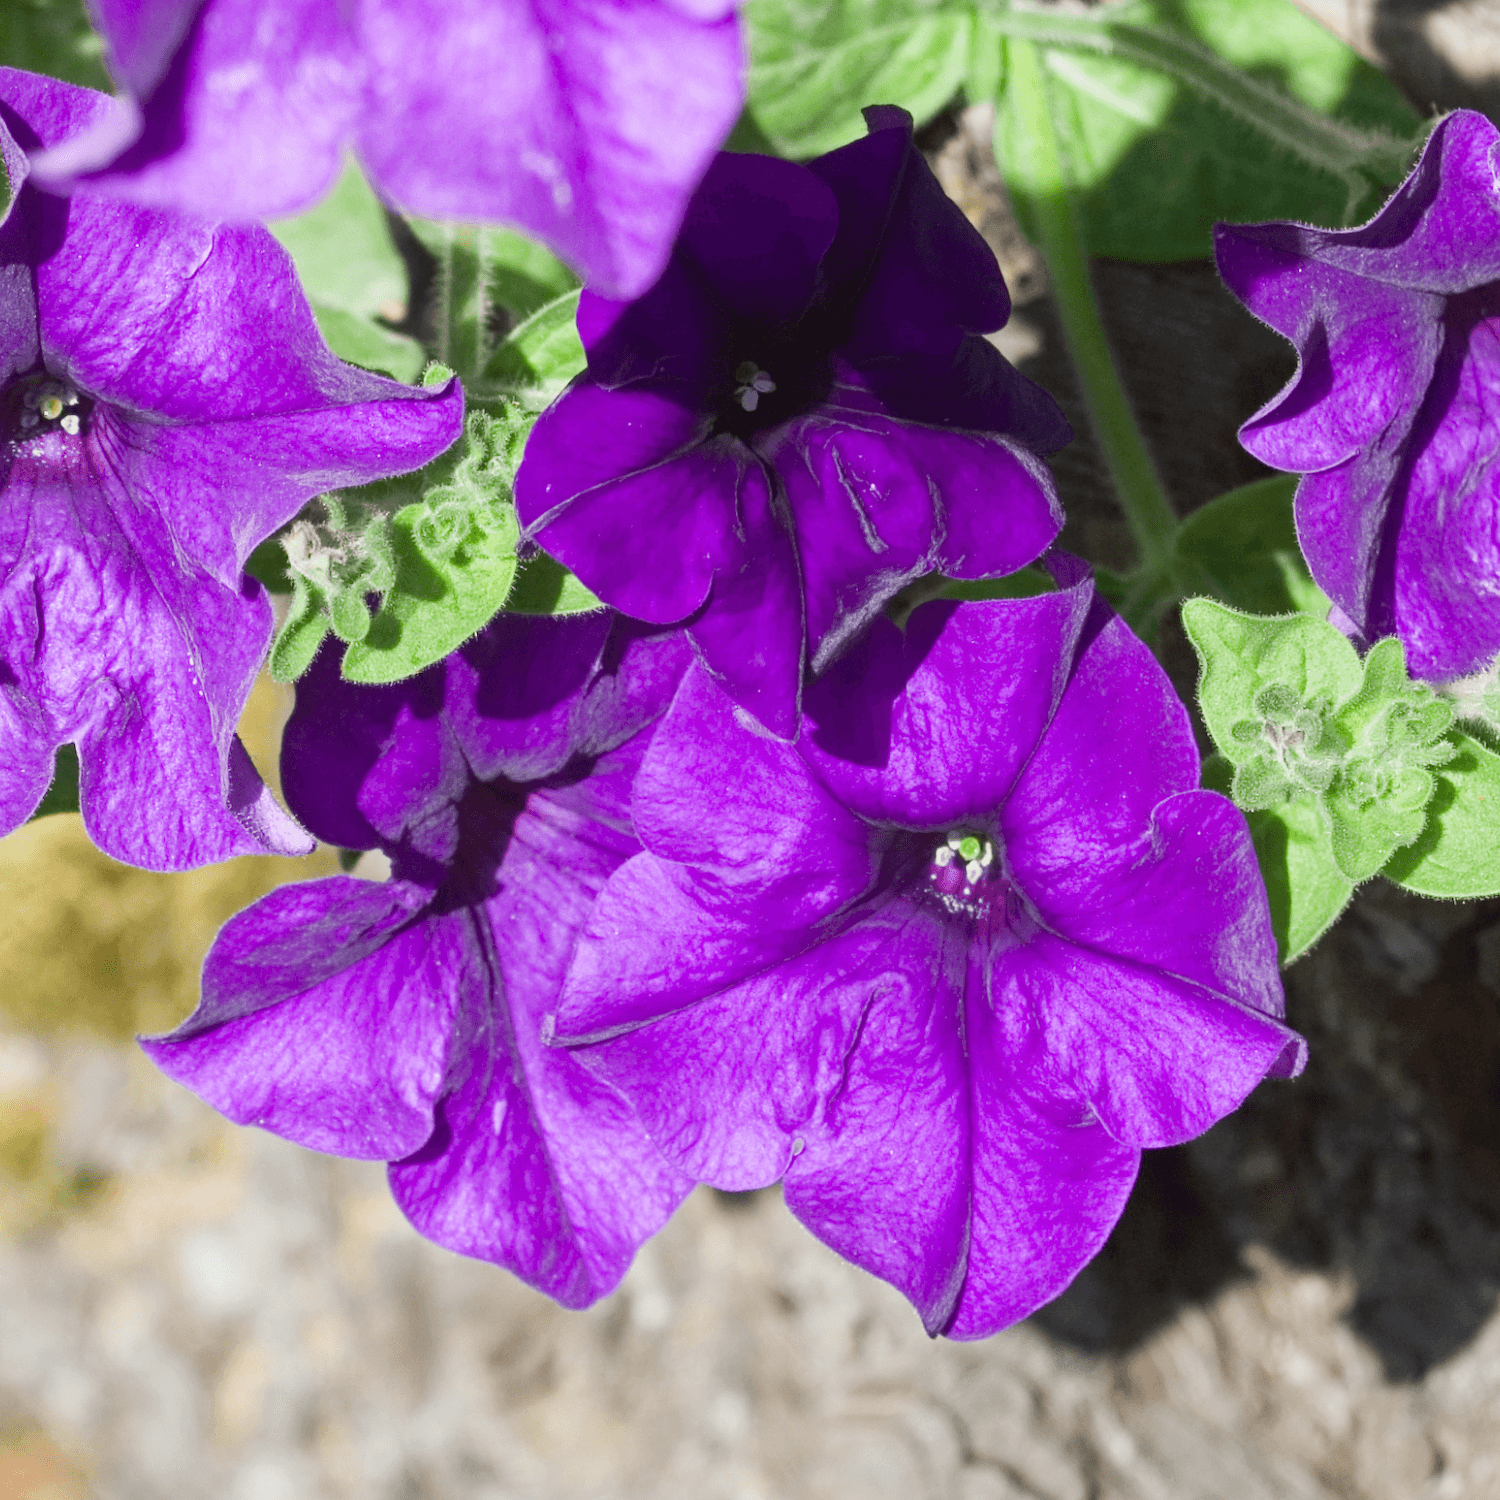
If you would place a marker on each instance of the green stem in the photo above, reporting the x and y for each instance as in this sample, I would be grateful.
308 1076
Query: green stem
1040 178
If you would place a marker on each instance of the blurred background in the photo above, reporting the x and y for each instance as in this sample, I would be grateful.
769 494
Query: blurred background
1300 1306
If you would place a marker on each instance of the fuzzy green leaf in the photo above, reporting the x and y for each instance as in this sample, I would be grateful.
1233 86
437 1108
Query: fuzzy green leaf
813 67
1458 852
1304 884
539 357
1242 654
53 37
1174 114
451 580
62 795
545 587
1244 542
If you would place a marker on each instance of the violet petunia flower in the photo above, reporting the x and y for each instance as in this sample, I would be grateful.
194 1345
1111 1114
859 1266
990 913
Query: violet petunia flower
1390 417
586 123
401 1021
948 964
166 402
798 419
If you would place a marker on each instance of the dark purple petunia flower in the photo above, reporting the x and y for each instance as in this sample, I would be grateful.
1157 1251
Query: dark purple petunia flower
401 1021
1390 417
585 122
947 965
166 402
798 419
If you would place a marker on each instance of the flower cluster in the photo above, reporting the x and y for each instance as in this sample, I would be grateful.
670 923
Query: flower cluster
820 850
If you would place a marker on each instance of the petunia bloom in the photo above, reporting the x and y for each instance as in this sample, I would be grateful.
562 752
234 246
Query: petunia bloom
948 964
401 1021
798 419
166 402
585 122
1390 417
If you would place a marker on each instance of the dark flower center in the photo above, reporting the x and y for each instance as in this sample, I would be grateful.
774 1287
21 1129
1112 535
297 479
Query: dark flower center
967 876
773 382
39 404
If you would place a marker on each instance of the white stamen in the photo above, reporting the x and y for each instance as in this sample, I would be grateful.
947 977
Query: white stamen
954 840
753 384
943 858
973 870
69 425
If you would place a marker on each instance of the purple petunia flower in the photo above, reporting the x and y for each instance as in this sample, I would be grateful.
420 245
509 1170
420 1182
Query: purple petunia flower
947 965
798 419
585 122
1390 417
401 1021
166 402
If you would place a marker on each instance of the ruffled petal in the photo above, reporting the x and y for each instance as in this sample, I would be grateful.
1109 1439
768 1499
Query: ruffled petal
1158 1059
883 1173
931 729
535 1164
241 113
877 501
1119 743
112 639
585 122
355 1062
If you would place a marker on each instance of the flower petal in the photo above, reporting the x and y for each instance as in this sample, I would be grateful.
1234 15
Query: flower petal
1158 1059
352 1065
968 692
885 1174
878 501
241 113
585 122
1048 1182
536 1164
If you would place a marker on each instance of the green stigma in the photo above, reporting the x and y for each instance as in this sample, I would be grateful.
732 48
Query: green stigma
969 848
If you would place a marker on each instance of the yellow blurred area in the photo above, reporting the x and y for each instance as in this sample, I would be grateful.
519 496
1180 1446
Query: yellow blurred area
31 1468
91 945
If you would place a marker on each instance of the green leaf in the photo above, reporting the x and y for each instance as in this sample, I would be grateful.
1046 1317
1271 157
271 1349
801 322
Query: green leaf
545 587
523 274
1244 544
53 37
452 577
1243 654
1177 113
813 67
360 341
1458 853
62 795
1304 885
344 253
540 356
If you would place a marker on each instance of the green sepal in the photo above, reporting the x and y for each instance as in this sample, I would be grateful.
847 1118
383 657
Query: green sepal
1458 852
62 794
1243 544
545 587
538 357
